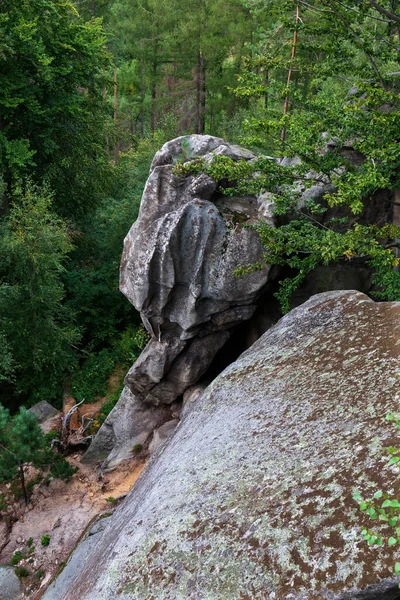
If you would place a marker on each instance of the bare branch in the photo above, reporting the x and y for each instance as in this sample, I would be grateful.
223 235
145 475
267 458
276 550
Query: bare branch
383 11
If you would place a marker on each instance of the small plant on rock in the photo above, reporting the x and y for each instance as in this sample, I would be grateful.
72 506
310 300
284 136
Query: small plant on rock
21 572
384 508
16 558
45 539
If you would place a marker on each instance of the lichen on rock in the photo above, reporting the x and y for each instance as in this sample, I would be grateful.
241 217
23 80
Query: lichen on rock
252 497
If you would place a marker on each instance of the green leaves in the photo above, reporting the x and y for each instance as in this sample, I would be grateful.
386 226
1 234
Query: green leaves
23 443
36 328
50 129
387 511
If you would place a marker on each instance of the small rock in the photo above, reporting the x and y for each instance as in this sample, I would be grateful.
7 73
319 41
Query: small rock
44 411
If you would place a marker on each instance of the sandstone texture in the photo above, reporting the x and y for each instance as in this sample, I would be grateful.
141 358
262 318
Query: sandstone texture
129 424
177 269
252 496
10 585
178 266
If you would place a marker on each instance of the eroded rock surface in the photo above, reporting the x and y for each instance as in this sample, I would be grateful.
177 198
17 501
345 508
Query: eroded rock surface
10 585
178 267
252 496
128 426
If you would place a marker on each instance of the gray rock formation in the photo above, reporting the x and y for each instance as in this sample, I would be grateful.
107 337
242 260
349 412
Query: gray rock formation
130 423
10 585
177 269
44 411
77 558
252 496
162 434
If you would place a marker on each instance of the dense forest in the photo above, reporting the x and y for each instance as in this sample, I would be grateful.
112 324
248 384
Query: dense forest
92 88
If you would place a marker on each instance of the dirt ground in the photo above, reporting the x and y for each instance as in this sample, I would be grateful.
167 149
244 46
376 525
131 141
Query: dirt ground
63 511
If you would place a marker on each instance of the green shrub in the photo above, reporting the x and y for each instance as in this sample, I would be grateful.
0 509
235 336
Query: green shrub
383 507
137 448
91 380
39 574
21 572
45 539
29 542
61 468
3 502
16 558
130 344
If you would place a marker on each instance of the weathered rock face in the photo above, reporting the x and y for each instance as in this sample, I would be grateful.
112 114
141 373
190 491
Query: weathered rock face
252 496
177 268
10 585
129 424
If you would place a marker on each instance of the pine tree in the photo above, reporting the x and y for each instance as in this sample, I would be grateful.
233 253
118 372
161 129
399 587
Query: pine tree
22 444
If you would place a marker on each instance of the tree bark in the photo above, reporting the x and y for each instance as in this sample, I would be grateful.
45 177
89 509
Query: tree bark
390 15
22 478
200 94
290 74
116 141
154 88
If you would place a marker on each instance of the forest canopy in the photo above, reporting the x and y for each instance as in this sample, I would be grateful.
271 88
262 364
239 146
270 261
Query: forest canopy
91 89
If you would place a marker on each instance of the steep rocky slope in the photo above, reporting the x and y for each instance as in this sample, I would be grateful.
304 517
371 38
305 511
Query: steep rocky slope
252 496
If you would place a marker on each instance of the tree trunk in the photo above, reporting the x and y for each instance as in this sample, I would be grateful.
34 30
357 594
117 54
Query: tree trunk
290 74
153 108
22 479
154 89
142 97
116 141
105 98
200 93
266 83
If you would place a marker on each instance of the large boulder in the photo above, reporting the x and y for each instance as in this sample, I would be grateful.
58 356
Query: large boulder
177 269
252 496
178 266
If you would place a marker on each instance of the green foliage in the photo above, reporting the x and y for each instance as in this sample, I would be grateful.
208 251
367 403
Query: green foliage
36 328
3 503
22 572
92 276
39 574
23 443
16 558
90 382
383 508
29 542
111 500
45 539
60 468
51 104
302 246
348 139
137 448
